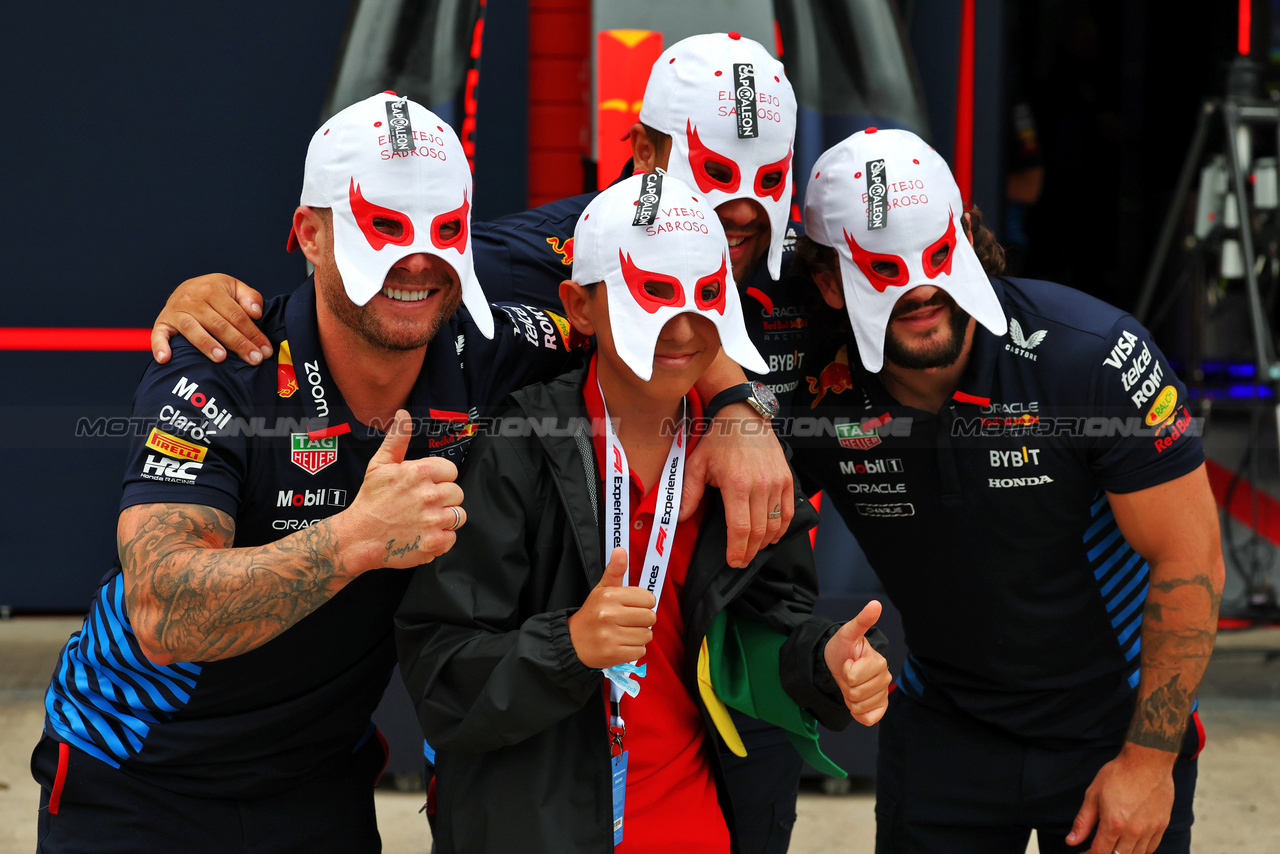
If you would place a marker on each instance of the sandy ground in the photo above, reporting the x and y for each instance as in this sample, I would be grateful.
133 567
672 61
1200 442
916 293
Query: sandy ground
1237 800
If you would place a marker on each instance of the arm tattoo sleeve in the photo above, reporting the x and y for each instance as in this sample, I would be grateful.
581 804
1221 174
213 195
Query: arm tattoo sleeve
1178 626
199 599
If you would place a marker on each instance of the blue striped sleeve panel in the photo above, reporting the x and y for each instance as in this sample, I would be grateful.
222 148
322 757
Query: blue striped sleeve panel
105 694
1121 575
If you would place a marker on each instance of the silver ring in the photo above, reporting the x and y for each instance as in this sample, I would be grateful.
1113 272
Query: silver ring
457 517
776 514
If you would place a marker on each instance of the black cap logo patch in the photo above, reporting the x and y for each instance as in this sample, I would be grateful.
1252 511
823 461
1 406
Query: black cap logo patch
399 130
744 93
877 195
650 198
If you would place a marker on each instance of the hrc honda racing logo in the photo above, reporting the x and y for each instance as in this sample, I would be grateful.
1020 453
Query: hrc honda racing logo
170 470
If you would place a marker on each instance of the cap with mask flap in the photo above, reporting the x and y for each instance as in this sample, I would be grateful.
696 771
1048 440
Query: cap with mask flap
886 196
652 229
389 158
724 100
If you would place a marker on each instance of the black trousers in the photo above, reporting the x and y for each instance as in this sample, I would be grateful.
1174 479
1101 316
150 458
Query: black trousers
948 784
762 786
100 809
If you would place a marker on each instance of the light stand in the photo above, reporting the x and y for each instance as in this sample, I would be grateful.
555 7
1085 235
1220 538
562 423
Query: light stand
1241 113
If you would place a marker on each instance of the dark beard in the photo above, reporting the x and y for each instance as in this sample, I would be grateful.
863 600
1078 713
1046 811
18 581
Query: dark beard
939 356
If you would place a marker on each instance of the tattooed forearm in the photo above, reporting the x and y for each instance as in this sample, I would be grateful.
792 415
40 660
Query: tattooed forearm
1178 626
192 597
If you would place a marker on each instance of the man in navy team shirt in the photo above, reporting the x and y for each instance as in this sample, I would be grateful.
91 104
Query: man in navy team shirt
1019 450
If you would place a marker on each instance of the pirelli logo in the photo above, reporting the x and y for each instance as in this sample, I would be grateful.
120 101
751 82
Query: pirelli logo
174 447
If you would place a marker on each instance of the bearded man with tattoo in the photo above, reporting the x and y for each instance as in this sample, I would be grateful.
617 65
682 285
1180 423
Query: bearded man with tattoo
1018 462
218 697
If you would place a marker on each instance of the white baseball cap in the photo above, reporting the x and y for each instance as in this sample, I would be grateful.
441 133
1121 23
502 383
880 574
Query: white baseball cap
885 195
654 228
694 95
388 157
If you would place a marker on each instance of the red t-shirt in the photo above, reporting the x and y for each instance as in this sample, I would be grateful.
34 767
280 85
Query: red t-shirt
671 803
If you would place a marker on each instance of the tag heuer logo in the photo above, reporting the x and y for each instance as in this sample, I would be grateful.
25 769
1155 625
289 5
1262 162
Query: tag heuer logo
312 455
853 436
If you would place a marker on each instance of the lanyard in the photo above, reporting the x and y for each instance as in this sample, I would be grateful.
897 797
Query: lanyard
661 538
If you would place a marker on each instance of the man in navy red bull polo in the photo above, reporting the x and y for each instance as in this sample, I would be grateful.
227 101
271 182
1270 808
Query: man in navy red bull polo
1018 462
218 697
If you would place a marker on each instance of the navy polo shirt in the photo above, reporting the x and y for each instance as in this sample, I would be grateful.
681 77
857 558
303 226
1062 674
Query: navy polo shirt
525 256
277 449
988 522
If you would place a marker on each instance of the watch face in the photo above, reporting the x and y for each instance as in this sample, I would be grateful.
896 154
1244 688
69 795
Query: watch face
765 397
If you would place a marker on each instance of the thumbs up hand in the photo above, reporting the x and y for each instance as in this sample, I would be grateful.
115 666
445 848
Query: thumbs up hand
860 671
615 622
404 514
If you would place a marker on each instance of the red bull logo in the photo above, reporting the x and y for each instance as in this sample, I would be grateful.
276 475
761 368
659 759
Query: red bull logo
835 378
286 379
563 248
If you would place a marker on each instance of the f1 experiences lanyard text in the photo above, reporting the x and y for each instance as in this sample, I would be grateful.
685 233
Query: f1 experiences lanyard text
661 539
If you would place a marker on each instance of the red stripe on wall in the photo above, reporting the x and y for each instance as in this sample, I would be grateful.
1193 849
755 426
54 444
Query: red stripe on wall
1242 507
963 166
1246 21
30 338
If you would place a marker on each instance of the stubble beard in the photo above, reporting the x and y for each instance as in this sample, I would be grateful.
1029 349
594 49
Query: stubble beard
364 320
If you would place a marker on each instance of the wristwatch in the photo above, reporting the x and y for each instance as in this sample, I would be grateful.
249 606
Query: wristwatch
754 394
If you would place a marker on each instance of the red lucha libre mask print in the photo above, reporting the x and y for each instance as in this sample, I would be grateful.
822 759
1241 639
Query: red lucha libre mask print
948 240
865 261
700 155
771 172
714 281
366 212
459 215
650 290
